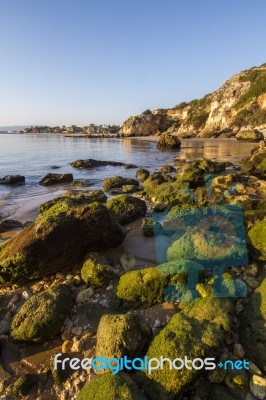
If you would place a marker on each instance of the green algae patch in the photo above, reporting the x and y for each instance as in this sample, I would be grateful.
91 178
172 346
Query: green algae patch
118 181
96 270
126 208
42 315
257 236
110 387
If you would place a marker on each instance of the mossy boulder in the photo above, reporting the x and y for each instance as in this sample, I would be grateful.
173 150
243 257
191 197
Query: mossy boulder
118 181
167 141
256 164
59 239
166 169
22 385
42 315
121 335
150 227
130 188
252 327
54 179
96 270
111 387
198 331
142 174
126 208
147 286
256 236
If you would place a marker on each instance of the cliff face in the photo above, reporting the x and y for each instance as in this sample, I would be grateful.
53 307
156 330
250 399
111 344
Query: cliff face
240 104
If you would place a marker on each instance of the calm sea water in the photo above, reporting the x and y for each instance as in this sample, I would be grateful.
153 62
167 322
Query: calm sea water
33 156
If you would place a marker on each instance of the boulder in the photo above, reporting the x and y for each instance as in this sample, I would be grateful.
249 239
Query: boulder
22 385
256 163
121 335
130 188
150 227
96 270
256 237
197 331
54 179
126 208
166 169
9 224
252 327
142 174
12 180
118 181
249 135
167 141
59 239
110 387
42 316
90 163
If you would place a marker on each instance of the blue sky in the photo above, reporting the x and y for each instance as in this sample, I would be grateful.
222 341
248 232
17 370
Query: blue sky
100 61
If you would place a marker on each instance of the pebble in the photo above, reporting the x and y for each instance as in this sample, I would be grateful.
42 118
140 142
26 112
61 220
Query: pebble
254 369
127 261
104 303
84 295
251 282
251 270
258 387
78 345
26 295
110 287
157 324
14 299
37 287
238 350
66 346
60 275
76 330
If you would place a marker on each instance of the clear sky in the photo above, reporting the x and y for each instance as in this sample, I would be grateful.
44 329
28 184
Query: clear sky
100 61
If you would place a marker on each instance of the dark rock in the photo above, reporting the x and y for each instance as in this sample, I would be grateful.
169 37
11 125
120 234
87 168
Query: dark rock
167 141
256 163
90 163
142 174
55 167
54 179
12 180
150 227
42 315
126 208
81 183
129 166
167 169
9 224
22 385
118 181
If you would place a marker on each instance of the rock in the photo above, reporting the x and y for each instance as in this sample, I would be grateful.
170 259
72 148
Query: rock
142 174
58 240
9 224
236 379
160 207
150 227
167 141
118 182
12 180
96 270
54 179
127 261
130 188
258 386
66 346
129 166
90 163
110 387
256 236
126 208
121 335
84 295
238 350
249 136
166 169
76 330
22 385
42 316
256 163
196 331
252 327
80 183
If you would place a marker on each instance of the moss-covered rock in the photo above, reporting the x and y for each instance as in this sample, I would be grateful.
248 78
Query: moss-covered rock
167 141
118 181
256 236
249 135
130 188
252 328
22 385
142 174
150 227
121 335
42 315
256 164
197 331
126 208
166 169
59 239
96 270
111 387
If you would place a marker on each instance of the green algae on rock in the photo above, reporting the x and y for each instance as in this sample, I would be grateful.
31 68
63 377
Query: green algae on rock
126 208
42 315
59 239
110 387
142 174
121 335
118 181
22 385
196 331
252 327
96 270
257 235
167 141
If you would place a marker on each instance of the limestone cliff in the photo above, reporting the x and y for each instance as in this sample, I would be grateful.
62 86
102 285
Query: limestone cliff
240 104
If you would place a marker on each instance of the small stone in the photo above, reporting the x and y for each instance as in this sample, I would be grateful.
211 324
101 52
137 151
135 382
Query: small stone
238 350
84 295
77 346
258 386
110 287
66 334
127 261
76 330
37 287
157 324
66 346
25 295
60 275
69 277
251 270
104 303
14 299
251 282
254 369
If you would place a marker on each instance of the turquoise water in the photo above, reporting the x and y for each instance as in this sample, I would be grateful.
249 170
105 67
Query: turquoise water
33 156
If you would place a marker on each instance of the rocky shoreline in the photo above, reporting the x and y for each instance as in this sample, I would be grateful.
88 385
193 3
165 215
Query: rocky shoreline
90 265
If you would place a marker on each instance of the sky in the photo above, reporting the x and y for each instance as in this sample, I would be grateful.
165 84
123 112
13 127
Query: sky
66 62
